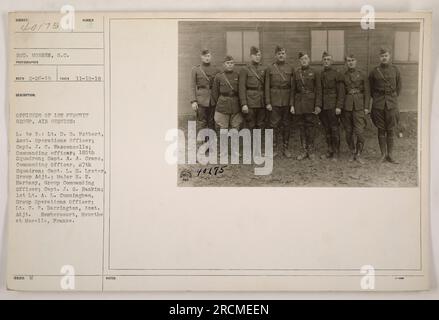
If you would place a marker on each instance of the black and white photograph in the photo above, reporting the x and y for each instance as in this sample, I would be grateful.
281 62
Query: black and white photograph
309 103
147 151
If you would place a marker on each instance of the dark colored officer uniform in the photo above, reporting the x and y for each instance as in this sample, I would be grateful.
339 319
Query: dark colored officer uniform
278 77
357 97
385 84
202 81
225 99
251 92
307 96
333 97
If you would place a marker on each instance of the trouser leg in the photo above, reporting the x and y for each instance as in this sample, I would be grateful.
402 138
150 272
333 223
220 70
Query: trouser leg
275 123
382 141
324 118
286 131
359 118
390 147
250 118
260 118
335 137
391 119
349 131
303 134
310 131
335 132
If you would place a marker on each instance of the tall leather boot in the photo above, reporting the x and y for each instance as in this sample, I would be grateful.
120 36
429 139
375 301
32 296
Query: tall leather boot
286 148
310 134
304 153
278 148
358 153
336 147
390 146
351 146
383 147
330 152
310 151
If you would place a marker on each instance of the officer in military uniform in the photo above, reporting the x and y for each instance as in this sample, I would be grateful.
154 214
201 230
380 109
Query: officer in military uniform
278 97
356 107
225 96
202 81
251 91
306 104
385 84
332 103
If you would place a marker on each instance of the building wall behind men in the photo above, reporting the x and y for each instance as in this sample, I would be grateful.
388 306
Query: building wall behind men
295 37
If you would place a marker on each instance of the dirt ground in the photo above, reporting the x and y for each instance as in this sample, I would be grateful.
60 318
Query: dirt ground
319 173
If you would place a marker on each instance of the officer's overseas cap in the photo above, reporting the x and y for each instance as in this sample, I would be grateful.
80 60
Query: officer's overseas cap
384 50
228 58
302 54
204 51
278 49
350 55
254 50
325 54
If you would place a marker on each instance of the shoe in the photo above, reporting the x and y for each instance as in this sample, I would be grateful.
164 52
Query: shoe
287 153
359 159
352 157
327 155
302 156
392 160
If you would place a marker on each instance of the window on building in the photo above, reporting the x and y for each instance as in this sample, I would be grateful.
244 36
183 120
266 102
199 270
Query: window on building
406 46
239 43
331 41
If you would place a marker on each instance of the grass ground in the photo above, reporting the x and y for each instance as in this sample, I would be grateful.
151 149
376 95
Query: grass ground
321 173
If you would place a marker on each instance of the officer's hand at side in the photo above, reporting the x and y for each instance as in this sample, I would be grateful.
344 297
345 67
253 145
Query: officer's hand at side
366 111
317 110
195 106
244 109
269 107
337 111
292 110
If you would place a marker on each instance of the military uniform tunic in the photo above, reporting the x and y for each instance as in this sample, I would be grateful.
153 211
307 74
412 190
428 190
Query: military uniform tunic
278 84
385 84
306 90
201 89
251 93
225 98
307 95
357 92
332 98
357 97
278 94
202 81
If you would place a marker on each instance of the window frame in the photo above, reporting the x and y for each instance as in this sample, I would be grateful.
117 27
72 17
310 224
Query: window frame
408 61
335 62
242 30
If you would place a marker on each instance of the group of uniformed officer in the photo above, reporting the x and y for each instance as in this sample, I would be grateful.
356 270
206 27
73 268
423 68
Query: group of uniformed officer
266 97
